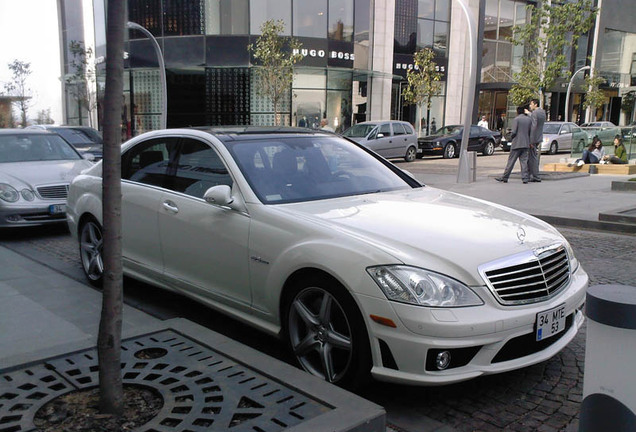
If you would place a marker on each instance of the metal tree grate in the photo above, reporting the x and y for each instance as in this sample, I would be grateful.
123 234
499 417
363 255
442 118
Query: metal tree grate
202 390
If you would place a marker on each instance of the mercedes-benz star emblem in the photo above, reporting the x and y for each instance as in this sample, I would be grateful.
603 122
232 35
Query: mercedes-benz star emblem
521 234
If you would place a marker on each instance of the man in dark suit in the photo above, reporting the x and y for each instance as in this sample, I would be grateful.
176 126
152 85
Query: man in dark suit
519 148
537 115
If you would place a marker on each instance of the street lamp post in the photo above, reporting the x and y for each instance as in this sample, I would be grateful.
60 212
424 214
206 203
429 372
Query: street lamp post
162 70
463 173
567 93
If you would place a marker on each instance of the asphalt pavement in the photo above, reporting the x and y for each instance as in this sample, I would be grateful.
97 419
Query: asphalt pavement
44 314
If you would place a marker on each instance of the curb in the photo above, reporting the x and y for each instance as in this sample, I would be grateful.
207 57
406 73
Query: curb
601 225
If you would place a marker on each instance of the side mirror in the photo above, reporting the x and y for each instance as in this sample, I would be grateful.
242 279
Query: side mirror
220 195
380 135
89 157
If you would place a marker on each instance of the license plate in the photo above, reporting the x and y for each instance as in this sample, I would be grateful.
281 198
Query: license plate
550 322
57 208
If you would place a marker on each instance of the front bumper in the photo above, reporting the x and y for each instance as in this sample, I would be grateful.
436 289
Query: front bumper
35 213
430 148
485 340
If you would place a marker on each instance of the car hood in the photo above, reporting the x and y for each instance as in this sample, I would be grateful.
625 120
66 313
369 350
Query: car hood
37 173
434 229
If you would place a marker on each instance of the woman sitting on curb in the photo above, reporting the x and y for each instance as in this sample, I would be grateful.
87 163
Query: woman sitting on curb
620 154
593 154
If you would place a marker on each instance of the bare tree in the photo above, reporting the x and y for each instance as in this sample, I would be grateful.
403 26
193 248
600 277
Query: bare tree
276 57
18 87
44 117
109 339
81 82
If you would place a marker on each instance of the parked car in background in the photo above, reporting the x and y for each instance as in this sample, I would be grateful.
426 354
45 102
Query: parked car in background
447 140
390 139
562 136
360 268
606 131
85 139
36 168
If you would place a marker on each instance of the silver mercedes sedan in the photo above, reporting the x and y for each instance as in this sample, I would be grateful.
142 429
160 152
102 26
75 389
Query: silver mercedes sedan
36 168
359 267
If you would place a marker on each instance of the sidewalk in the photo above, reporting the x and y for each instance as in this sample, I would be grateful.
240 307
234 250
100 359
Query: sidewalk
564 200
48 333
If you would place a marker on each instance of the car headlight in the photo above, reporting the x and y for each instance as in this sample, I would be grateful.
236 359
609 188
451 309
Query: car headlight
422 287
574 263
27 194
546 140
8 193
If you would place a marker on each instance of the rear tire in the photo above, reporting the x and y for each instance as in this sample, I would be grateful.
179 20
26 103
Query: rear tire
554 148
90 248
325 332
449 151
489 148
411 154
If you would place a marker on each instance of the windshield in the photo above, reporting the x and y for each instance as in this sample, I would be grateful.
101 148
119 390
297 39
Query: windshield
359 130
282 170
30 148
75 137
448 130
551 128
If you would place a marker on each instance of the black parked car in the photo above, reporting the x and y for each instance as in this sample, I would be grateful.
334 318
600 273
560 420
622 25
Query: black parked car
85 139
447 141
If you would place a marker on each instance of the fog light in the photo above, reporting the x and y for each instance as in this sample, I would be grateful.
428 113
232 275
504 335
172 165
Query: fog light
14 218
442 360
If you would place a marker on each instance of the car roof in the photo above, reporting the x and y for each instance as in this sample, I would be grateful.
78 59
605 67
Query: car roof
239 133
25 132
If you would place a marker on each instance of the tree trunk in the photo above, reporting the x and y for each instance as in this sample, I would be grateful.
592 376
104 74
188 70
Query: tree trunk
109 339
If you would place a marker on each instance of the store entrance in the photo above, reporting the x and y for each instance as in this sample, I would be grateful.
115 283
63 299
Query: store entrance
494 105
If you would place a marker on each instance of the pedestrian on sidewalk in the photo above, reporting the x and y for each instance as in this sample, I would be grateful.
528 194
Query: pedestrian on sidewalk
483 122
620 154
520 145
537 115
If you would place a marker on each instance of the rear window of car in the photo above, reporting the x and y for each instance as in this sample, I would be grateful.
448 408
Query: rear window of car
359 130
398 129
32 148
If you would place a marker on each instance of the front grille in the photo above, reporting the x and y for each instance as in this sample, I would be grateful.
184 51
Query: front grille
53 192
528 277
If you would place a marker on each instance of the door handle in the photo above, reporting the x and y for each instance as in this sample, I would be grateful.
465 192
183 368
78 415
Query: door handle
170 206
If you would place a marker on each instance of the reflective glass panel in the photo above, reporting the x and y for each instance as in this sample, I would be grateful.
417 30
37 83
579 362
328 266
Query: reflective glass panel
442 10
341 20
440 39
424 34
426 9
506 19
310 18
263 10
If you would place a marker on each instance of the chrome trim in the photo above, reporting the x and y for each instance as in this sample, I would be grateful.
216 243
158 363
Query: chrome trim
528 277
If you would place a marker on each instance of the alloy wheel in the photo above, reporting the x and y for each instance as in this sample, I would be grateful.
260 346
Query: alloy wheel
411 154
320 334
91 251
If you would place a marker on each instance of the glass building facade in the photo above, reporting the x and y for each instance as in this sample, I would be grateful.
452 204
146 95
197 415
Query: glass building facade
209 72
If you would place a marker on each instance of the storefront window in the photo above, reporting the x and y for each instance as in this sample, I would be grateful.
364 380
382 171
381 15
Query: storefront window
442 10
310 18
263 10
426 9
506 19
308 108
491 19
340 20
226 17
424 34
405 29
440 41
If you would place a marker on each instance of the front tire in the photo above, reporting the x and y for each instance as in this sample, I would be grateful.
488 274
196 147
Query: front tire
90 245
326 333
489 149
449 151
554 148
411 154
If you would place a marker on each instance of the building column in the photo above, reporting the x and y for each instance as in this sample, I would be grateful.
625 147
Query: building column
458 62
382 60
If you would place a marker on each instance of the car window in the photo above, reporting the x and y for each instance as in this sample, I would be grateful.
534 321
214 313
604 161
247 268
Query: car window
566 129
148 161
198 169
551 128
359 130
385 129
297 169
398 129
407 127
35 148
474 130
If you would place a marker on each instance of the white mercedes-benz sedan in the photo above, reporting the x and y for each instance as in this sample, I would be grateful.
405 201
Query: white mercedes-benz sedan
356 265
